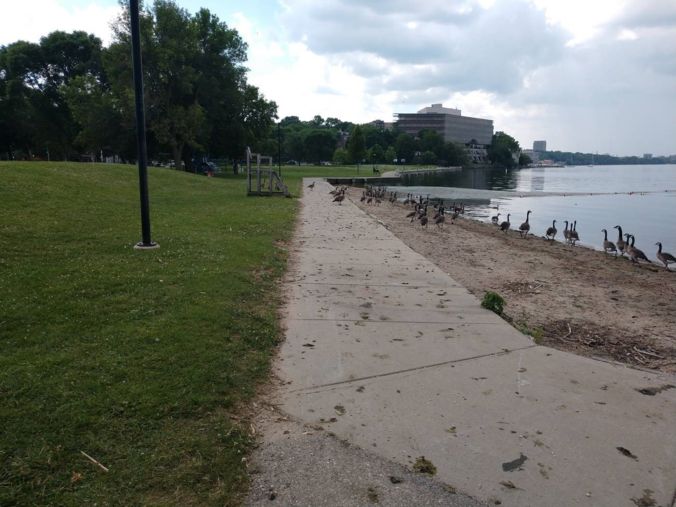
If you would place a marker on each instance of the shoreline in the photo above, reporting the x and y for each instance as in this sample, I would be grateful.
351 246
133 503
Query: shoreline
575 299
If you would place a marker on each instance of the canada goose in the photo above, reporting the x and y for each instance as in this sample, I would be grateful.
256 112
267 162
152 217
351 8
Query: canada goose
455 215
339 198
551 231
621 244
636 254
664 257
369 200
525 227
608 246
311 186
413 213
439 221
574 236
495 219
505 225
566 232
440 212
423 220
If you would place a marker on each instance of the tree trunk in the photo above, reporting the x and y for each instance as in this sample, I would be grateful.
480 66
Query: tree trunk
176 151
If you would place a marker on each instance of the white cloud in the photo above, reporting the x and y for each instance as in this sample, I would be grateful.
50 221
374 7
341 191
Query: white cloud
31 19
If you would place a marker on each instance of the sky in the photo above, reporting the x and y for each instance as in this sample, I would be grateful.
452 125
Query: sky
584 75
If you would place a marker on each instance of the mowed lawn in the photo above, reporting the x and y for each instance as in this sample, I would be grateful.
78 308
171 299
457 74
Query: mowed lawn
138 359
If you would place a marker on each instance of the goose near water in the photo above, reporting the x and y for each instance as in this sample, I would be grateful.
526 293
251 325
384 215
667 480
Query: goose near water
608 246
505 225
525 227
551 231
664 257
621 244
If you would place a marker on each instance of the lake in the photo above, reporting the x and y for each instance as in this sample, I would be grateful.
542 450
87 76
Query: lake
639 198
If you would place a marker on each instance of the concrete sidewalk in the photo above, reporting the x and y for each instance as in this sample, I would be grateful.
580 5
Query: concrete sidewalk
389 353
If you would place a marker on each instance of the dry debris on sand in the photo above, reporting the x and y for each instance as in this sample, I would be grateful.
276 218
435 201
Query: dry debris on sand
570 298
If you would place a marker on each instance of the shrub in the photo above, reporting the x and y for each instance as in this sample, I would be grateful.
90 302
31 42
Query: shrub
494 302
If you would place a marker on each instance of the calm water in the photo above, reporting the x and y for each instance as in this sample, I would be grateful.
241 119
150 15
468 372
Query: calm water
641 199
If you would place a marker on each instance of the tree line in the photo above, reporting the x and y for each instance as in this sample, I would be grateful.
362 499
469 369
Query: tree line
340 142
70 98
67 95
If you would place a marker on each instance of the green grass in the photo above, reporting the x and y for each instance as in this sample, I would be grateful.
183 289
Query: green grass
138 359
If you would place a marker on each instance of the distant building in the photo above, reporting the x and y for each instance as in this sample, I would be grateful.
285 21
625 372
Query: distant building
533 155
540 146
647 155
383 125
449 123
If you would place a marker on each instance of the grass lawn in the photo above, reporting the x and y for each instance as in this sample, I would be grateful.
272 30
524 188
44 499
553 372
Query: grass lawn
139 359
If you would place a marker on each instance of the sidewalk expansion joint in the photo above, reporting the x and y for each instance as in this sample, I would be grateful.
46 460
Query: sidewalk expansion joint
321 387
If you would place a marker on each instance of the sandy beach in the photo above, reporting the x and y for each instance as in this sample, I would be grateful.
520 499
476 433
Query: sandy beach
570 298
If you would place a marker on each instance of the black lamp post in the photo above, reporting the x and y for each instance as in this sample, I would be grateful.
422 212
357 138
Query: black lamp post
146 243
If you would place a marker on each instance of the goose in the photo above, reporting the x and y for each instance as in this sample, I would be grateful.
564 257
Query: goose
636 254
505 225
566 232
455 215
413 213
525 227
311 186
439 220
664 257
574 236
495 219
339 198
423 220
608 246
621 245
551 231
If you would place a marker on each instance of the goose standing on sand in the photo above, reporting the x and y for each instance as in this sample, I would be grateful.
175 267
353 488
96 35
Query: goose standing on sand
608 246
311 186
551 231
339 198
574 236
505 225
664 257
439 220
525 227
636 254
495 219
621 244
566 232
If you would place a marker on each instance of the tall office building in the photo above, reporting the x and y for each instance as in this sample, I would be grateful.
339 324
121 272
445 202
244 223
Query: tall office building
449 123
539 145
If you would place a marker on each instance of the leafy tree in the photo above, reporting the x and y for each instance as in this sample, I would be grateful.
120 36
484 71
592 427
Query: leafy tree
502 150
428 157
356 146
524 160
454 155
405 147
376 154
340 156
390 154
431 140
320 145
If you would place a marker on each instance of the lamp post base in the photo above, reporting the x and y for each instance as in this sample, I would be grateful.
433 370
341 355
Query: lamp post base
143 246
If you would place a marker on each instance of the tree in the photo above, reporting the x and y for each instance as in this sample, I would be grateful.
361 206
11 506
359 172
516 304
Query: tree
503 150
405 147
376 154
340 156
431 140
524 160
428 157
356 145
454 155
390 154
320 145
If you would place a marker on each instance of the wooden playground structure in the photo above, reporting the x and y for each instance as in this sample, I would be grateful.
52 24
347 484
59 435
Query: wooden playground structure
263 180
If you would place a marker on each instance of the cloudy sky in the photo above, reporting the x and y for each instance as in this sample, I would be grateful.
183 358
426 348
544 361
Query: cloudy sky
586 75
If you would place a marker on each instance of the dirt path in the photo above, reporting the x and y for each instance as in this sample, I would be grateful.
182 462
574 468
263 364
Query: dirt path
570 298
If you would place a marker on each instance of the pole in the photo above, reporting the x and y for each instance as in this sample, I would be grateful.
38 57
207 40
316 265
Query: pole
279 148
140 127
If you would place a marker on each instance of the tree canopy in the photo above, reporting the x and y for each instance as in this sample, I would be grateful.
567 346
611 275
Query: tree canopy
71 96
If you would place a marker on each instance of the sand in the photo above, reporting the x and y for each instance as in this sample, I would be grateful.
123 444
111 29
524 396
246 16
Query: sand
570 298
